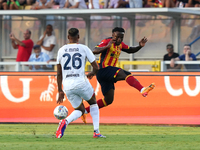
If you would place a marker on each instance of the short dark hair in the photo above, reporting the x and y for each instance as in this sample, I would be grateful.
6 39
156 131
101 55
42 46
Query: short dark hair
119 29
187 45
50 26
170 46
73 32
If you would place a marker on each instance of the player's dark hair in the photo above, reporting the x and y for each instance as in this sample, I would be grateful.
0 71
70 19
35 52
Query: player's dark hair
119 29
73 32
187 45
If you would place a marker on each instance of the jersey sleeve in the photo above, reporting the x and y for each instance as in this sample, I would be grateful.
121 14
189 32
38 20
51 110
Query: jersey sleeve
90 55
124 46
103 43
58 57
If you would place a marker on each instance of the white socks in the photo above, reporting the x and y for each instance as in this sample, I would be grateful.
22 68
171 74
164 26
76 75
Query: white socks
94 112
73 116
142 90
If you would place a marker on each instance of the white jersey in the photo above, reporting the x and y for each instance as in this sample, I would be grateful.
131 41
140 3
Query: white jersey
72 58
82 4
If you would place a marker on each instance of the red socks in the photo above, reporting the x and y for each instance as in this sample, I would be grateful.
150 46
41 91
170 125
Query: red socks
130 80
133 82
101 103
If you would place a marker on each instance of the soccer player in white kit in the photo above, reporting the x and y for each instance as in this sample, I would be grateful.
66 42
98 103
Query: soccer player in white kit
71 61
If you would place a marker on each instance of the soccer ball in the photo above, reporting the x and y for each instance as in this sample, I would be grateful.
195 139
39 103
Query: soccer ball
60 112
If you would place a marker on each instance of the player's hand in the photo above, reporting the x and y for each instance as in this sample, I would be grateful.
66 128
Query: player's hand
60 97
113 40
90 75
143 41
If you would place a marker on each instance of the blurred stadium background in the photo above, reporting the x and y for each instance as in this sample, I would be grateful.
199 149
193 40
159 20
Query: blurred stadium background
175 99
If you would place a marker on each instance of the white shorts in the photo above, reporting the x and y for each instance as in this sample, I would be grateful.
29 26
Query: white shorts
76 96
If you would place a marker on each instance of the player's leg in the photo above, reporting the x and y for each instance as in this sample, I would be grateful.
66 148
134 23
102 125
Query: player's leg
76 102
94 111
107 89
125 75
106 78
132 81
109 97
89 95
77 113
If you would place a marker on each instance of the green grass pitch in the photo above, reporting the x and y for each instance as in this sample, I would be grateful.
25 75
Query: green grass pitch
79 137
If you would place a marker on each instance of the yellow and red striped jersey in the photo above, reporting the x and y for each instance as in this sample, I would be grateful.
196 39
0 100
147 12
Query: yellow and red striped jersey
110 56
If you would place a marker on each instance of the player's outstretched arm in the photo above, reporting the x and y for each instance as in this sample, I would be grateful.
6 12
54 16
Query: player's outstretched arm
98 50
136 48
94 71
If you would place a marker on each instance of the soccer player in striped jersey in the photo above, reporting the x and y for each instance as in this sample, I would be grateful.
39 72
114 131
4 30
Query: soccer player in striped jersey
108 74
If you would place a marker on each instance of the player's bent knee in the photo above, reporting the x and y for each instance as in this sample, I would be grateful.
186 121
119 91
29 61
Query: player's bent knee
109 101
92 101
81 108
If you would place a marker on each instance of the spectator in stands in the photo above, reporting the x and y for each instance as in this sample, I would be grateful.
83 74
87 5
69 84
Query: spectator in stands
186 56
75 4
105 3
41 4
161 3
171 54
168 3
94 4
26 2
61 3
47 41
154 3
181 3
24 47
1 4
135 3
187 3
119 4
196 3
11 5
38 56
123 4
